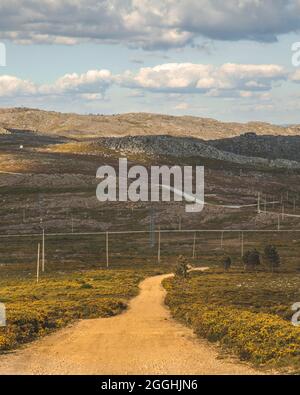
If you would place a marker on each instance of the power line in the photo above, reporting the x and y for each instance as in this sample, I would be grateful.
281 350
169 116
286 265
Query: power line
155 231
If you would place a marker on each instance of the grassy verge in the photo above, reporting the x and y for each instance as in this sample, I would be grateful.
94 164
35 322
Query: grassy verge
247 313
34 309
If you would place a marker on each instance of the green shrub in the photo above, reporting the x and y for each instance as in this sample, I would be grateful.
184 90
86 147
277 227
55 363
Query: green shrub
181 269
251 259
226 262
271 257
86 286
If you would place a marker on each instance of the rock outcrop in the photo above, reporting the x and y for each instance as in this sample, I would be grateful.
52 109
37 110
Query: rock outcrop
188 147
270 147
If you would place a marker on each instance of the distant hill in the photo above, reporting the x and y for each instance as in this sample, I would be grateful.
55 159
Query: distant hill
170 146
132 124
264 146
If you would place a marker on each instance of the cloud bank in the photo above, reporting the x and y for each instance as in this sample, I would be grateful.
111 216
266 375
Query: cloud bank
175 78
199 78
149 24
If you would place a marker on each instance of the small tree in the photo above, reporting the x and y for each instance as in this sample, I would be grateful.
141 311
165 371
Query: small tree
271 257
226 262
181 267
245 258
251 259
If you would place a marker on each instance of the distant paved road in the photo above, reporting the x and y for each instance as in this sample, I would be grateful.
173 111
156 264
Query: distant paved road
11 172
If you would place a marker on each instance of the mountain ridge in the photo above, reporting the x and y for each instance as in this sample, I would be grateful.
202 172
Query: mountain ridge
82 127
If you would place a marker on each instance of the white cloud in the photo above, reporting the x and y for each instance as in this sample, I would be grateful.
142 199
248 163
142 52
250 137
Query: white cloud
228 80
146 23
169 76
182 106
90 86
199 78
13 86
295 77
92 82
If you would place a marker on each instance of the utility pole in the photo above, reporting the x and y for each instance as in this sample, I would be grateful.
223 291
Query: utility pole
152 228
158 251
222 239
282 212
179 222
278 223
242 244
107 261
258 203
43 252
194 246
38 264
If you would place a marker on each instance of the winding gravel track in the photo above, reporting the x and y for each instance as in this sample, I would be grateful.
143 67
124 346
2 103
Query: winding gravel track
143 340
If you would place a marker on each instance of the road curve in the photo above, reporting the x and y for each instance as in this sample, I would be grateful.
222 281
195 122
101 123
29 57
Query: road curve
143 340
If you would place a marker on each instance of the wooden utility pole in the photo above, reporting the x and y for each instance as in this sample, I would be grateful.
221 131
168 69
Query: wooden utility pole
222 239
72 223
107 261
43 252
194 246
38 264
179 222
152 227
242 244
278 223
158 250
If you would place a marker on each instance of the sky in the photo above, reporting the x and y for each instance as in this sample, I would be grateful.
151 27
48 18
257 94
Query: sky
229 60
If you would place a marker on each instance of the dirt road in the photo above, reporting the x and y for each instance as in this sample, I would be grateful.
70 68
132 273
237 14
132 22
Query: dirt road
143 340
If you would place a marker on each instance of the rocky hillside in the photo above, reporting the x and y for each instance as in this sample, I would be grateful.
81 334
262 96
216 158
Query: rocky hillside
94 126
186 147
155 135
271 147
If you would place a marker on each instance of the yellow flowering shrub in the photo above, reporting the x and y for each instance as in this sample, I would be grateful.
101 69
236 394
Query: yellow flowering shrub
36 309
260 337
